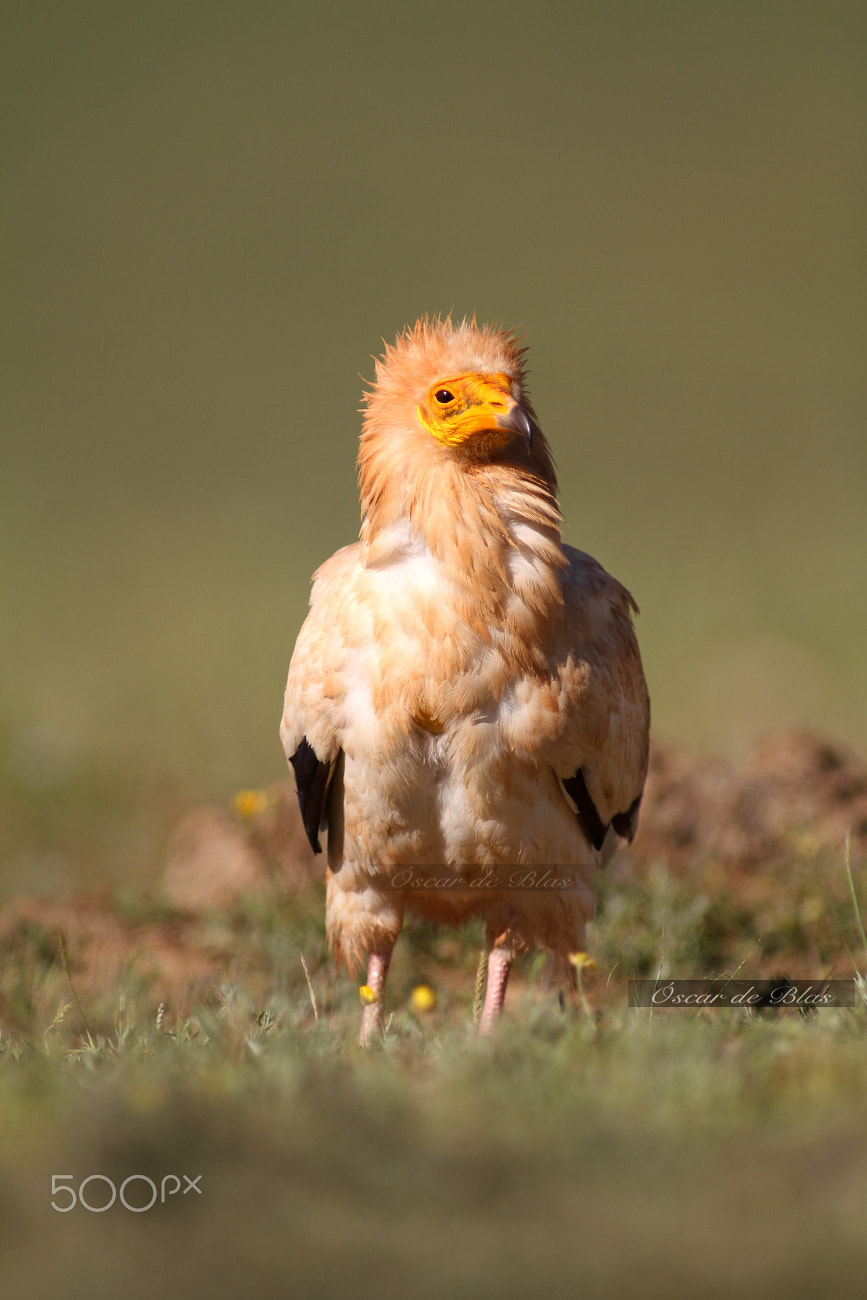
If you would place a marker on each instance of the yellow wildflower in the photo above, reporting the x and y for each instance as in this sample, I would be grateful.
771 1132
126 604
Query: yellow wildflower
249 803
423 998
582 961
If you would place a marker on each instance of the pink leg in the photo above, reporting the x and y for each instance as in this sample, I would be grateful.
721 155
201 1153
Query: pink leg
499 966
371 1016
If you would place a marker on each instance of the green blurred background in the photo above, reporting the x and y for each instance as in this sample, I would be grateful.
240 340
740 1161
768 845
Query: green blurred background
212 215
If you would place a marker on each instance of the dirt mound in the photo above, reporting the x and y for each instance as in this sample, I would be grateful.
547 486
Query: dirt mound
217 855
796 793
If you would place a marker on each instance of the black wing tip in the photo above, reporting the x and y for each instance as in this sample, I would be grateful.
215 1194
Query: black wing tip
311 782
624 823
591 823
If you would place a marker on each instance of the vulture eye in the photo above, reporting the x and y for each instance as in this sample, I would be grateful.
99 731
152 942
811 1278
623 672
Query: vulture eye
443 396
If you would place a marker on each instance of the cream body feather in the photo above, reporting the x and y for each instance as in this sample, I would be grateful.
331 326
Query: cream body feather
464 682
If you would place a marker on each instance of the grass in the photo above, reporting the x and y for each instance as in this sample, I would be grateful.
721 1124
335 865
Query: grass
622 1152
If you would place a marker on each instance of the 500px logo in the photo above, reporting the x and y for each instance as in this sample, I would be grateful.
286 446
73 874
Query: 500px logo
66 1198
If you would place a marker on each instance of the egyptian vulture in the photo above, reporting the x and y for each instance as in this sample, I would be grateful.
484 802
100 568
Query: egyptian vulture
466 711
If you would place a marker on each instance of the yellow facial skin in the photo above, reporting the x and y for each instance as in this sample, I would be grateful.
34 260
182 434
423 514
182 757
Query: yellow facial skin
478 407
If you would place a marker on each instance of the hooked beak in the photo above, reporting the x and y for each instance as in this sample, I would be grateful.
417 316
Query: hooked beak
518 421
